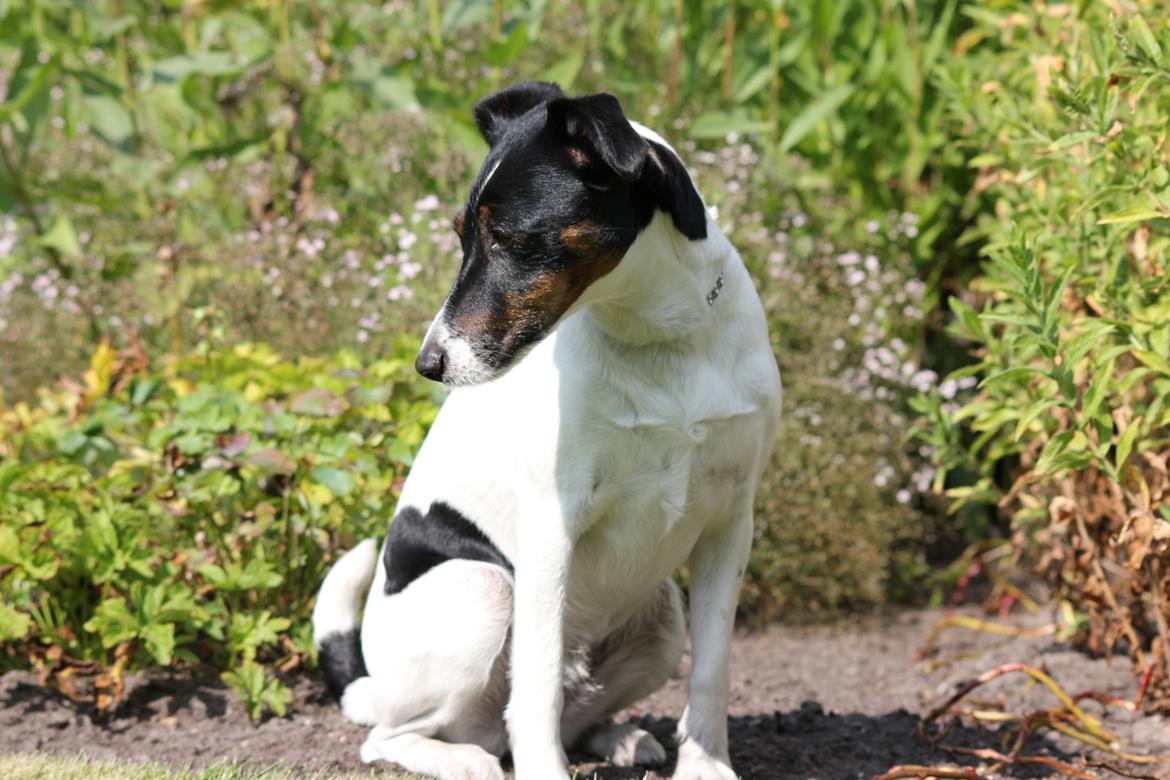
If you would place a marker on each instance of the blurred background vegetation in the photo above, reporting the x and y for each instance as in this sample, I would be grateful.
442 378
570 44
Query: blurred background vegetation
225 225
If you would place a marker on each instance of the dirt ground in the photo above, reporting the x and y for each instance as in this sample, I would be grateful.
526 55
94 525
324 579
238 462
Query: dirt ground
831 703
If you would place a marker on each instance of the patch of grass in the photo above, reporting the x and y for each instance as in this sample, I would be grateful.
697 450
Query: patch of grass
42 766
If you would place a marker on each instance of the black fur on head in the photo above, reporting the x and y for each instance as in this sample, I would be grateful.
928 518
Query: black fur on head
494 113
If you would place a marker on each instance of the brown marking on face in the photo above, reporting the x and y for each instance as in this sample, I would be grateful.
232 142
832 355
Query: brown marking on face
473 322
594 259
581 238
536 306
457 223
577 157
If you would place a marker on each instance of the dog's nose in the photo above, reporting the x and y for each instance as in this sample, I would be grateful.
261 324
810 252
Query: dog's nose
431 361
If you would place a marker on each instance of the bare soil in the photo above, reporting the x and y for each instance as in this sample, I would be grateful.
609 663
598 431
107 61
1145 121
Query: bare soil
831 703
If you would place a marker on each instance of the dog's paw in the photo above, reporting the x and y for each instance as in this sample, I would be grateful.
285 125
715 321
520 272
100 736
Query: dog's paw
694 763
624 744
443 760
470 762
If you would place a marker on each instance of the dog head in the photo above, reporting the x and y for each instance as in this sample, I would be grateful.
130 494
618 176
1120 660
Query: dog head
567 186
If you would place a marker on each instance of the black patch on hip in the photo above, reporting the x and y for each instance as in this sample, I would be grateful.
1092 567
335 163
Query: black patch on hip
340 657
417 543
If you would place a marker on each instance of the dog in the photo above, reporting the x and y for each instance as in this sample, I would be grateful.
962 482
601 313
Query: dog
615 398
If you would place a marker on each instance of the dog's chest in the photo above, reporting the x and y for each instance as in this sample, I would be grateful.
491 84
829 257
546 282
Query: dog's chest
655 489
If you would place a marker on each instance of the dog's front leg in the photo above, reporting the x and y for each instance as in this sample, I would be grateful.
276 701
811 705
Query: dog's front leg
544 548
716 567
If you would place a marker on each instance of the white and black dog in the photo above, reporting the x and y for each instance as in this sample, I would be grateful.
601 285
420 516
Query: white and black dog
616 399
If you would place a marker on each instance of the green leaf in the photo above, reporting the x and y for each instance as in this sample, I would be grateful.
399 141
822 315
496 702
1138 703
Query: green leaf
277 697
753 83
1098 388
717 124
1125 443
1131 214
1144 37
339 482
1030 416
113 622
394 92
815 112
1153 360
160 641
966 316
1011 375
108 118
505 51
565 71
62 237
13 624
208 63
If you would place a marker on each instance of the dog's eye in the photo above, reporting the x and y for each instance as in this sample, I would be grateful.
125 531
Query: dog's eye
495 247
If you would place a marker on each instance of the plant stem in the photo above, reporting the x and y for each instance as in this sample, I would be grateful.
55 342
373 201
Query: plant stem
676 53
12 171
729 61
436 14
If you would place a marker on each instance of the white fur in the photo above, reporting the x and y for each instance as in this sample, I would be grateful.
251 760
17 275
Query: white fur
627 443
339 601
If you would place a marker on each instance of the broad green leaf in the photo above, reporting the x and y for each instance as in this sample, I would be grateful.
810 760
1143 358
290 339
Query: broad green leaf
113 622
62 237
339 482
160 641
14 625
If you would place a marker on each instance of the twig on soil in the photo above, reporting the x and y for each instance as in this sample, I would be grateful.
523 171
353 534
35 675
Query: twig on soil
1124 772
1106 699
1141 694
1091 724
1001 759
975 624
913 770
1105 746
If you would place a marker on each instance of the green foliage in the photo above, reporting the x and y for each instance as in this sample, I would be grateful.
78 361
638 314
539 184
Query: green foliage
189 514
1070 318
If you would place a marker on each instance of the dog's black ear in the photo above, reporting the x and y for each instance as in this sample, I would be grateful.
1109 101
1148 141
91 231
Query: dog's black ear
666 180
495 112
597 123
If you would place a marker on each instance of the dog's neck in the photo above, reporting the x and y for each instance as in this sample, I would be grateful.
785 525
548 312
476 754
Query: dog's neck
666 290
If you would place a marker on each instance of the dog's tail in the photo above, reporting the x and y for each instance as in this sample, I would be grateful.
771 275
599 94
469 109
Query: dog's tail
337 631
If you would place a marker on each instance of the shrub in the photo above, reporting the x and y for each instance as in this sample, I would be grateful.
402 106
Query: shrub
844 520
1063 112
188 514
283 174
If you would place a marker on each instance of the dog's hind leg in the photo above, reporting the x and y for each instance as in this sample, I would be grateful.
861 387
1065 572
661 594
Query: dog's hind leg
632 662
436 653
